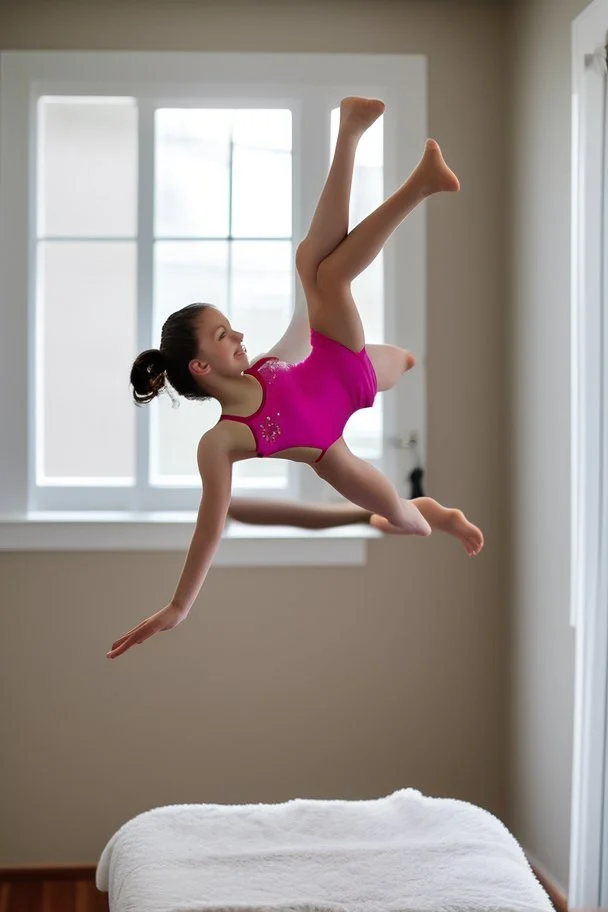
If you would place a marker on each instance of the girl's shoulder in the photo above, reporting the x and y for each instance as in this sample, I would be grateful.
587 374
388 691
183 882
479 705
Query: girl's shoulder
219 437
228 437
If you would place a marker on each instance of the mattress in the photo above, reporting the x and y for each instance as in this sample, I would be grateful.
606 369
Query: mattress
406 852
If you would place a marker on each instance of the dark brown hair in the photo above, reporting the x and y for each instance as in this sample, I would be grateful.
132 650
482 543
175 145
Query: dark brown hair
178 346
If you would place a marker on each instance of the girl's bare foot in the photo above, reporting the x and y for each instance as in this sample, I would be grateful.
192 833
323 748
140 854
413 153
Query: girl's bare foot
452 521
360 113
434 174
458 525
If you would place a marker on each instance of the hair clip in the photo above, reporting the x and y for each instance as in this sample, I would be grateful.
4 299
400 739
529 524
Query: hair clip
174 400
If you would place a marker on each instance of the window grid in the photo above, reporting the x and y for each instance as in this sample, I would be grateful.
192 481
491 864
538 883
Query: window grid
141 497
43 241
306 84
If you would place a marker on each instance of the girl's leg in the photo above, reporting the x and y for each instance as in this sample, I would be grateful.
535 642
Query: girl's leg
332 309
291 513
364 485
364 243
442 519
327 516
329 225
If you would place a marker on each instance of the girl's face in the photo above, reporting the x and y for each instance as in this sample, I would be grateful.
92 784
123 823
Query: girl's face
221 349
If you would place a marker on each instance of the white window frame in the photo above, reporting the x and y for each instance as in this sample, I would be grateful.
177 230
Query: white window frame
307 83
589 473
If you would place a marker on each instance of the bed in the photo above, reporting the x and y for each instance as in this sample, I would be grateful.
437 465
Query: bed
407 852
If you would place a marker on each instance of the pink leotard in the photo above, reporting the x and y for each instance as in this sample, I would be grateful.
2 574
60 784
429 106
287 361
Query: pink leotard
308 404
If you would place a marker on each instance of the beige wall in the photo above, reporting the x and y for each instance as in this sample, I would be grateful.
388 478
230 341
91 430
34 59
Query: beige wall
542 654
341 683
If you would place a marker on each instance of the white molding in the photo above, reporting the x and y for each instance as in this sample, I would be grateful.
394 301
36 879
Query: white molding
193 73
589 596
241 545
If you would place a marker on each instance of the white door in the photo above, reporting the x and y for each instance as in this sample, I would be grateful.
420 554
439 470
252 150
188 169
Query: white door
603 592
589 844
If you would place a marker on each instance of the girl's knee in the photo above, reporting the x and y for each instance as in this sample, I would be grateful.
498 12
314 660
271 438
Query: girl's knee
329 277
306 263
318 275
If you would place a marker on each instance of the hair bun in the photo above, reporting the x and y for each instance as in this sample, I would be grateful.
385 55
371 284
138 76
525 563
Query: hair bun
157 363
148 375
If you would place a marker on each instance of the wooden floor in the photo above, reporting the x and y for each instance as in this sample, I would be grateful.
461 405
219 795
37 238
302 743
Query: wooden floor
56 890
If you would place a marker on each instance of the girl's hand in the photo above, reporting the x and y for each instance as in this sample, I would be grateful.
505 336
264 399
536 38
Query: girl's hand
164 619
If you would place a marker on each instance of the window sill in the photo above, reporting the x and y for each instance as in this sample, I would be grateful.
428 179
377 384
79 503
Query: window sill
241 545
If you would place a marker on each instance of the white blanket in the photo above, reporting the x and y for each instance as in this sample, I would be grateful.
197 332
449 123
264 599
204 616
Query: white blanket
403 853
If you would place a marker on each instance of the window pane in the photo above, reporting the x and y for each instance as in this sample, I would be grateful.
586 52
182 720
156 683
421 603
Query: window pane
192 192
175 436
261 304
368 292
261 181
262 281
86 342
88 167
268 128
363 432
261 473
186 272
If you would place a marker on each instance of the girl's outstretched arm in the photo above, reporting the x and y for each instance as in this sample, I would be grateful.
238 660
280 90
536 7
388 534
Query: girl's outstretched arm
215 466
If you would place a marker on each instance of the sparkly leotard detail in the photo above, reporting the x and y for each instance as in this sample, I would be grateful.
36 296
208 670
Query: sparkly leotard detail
308 404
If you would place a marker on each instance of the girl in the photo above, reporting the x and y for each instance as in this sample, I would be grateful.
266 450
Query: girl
284 407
